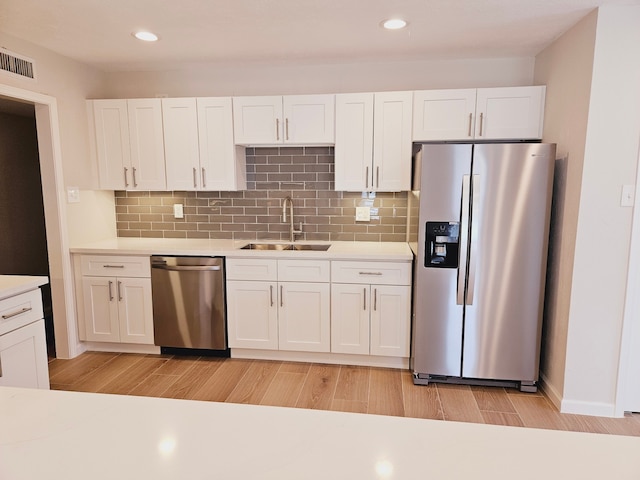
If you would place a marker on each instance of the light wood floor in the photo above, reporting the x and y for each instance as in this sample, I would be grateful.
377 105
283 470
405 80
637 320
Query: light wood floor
326 387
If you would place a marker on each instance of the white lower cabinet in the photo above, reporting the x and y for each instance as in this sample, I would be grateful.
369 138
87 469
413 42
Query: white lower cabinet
23 346
117 299
371 318
286 308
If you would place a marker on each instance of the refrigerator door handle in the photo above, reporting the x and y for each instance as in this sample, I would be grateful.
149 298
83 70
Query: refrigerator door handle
473 244
464 238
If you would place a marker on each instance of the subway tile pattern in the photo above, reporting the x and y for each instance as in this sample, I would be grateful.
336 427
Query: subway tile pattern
304 173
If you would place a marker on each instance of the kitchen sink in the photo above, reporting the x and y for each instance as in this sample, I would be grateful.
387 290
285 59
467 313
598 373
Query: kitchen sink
287 246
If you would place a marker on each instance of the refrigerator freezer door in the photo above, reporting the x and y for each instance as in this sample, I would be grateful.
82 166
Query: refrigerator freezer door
437 327
509 235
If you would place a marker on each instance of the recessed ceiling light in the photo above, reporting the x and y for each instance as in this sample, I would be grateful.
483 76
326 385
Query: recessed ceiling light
394 24
146 36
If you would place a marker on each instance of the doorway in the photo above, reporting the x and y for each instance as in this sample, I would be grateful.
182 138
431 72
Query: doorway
67 344
23 243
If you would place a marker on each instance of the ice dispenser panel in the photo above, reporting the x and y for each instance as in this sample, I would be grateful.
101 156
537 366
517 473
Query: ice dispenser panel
442 244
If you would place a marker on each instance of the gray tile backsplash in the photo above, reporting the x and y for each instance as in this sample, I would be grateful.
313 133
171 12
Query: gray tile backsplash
304 173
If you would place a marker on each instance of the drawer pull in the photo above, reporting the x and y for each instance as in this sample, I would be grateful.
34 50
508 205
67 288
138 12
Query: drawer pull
19 312
369 273
110 292
113 266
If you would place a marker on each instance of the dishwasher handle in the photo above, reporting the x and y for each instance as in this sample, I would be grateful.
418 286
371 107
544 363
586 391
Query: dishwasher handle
195 268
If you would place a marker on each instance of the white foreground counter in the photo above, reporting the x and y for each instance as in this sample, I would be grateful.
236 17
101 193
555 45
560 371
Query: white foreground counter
68 435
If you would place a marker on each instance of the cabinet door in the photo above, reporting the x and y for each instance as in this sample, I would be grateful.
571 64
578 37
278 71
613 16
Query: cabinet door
222 164
350 318
100 309
390 319
443 114
303 317
23 357
252 315
111 124
135 314
257 120
182 157
147 145
509 113
392 146
354 141
309 119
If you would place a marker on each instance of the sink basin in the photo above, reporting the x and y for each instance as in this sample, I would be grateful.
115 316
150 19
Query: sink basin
287 246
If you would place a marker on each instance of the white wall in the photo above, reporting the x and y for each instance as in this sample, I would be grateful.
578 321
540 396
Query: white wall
598 280
277 79
599 276
70 83
565 68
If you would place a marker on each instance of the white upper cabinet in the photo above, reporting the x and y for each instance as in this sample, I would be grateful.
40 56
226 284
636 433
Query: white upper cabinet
129 144
292 119
478 114
199 149
373 141
443 114
516 112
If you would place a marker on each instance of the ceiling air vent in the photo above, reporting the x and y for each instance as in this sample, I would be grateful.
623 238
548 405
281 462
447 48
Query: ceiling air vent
18 65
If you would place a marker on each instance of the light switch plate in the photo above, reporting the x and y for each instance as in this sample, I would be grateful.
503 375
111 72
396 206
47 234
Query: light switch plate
628 196
178 212
363 214
73 195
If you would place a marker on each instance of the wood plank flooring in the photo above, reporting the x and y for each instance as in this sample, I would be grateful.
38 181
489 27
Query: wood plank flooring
378 391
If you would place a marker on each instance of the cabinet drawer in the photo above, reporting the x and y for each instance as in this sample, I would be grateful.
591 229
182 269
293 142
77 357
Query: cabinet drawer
252 269
20 310
304 270
380 273
115 266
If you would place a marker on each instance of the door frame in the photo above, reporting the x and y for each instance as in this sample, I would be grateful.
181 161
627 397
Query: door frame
55 212
628 384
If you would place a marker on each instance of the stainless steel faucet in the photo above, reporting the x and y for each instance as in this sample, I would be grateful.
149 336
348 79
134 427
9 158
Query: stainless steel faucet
292 231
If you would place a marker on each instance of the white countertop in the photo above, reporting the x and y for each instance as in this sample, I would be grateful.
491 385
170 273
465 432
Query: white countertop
11 285
70 435
398 251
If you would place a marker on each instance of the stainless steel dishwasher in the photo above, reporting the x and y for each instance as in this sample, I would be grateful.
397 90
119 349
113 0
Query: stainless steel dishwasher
189 302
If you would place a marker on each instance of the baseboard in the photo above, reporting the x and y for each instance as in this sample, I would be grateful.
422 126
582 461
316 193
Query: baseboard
594 409
551 393
120 347
314 357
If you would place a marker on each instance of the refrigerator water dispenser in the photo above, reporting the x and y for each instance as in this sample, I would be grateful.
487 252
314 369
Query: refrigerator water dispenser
442 244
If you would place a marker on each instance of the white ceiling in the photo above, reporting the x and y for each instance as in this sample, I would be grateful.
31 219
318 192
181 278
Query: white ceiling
98 32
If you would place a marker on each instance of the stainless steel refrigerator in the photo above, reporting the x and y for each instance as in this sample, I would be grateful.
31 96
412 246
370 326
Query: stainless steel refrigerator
479 232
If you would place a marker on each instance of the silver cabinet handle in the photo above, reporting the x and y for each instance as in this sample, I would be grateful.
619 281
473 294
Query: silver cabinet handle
377 177
119 292
481 122
464 238
470 118
286 128
367 177
110 291
369 273
195 180
364 299
133 171
375 299
19 312
277 129
281 297
126 179
204 178
271 294
0 368
112 266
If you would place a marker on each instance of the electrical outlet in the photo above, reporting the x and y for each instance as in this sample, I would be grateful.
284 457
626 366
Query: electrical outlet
363 214
73 195
178 212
